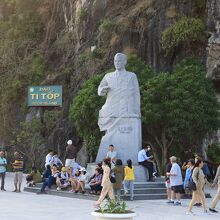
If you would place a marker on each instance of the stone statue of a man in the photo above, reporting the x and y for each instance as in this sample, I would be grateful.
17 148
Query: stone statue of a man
120 115
123 96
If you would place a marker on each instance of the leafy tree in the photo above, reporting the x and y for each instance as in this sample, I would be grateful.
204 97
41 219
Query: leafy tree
213 152
50 118
30 141
21 63
86 105
178 107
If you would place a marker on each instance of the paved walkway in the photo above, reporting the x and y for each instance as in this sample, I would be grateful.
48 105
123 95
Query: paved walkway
29 206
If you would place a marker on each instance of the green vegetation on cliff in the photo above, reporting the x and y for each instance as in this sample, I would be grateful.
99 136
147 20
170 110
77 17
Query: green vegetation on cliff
184 32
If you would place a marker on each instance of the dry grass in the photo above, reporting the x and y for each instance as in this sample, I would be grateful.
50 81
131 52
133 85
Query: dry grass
114 40
141 6
172 11
130 51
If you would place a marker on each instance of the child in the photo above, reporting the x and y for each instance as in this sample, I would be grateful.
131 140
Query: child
62 180
119 177
81 181
129 179
95 182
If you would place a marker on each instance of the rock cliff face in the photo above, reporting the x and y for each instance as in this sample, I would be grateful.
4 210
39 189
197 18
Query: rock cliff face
213 50
73 27
213 54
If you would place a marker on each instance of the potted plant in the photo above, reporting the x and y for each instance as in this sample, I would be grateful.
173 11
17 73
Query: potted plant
114 210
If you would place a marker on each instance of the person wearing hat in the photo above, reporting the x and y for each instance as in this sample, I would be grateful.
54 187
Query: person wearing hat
70 157
63 180
81 181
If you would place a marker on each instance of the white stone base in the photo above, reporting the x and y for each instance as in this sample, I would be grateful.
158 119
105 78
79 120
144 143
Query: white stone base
126 137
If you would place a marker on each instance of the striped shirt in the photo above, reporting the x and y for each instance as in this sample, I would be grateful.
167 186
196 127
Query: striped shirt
18 164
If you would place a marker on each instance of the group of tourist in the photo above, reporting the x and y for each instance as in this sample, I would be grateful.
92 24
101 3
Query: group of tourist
110 176
193 183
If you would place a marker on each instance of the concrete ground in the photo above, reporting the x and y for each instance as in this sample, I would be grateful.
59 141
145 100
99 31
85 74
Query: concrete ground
29 206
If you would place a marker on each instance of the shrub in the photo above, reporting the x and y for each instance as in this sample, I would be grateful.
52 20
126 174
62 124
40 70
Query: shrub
213 152
98 53
50 118
81 15
183 32
106 25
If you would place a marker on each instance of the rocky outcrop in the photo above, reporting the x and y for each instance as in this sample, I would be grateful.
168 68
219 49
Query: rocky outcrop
110 26
213 50
213 58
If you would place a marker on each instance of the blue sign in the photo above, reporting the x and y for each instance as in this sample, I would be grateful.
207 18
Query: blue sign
45 96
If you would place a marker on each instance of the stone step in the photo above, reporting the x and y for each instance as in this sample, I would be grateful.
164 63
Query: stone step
136 190
146 196
94 197
137 185
149 185
62 193
147 190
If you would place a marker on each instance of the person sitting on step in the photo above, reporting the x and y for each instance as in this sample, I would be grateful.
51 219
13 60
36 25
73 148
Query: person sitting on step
63 180
95 182
50 181
81 181
145 161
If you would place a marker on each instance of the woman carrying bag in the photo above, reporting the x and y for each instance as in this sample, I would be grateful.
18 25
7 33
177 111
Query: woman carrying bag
198 178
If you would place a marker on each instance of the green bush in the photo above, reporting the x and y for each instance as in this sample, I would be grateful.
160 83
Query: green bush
98 53
183 32
213 152
81 15
106 25
200 4
29 141
50 118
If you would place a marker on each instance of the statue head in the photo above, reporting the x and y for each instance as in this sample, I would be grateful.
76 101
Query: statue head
120 60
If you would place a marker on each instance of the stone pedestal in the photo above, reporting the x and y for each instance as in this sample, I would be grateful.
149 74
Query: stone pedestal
125 135
141 173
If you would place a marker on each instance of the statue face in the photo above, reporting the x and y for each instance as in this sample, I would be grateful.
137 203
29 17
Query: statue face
120 62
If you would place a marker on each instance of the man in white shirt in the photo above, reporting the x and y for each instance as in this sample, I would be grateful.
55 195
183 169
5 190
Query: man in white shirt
176 181
56 160
145 161
112 153
49 158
